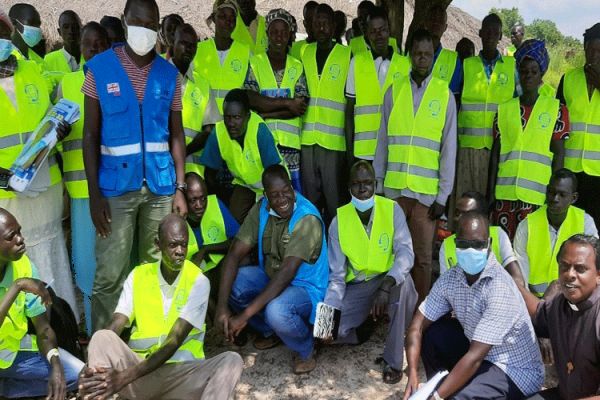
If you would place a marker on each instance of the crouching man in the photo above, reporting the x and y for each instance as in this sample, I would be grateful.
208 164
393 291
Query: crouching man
166 303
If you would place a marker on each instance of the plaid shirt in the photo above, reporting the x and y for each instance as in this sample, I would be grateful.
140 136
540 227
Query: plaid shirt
491 311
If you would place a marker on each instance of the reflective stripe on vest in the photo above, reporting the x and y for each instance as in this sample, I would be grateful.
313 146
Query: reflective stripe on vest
241 34
324 119
445 64
285 132
222 77
72 154
13 332
480 99
151 325
369 99
244 163
542 256
525 158
16 124
212 228
449 245
582 150
414 140
368 255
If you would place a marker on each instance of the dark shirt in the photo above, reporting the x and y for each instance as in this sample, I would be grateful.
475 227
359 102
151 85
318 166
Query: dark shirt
575 338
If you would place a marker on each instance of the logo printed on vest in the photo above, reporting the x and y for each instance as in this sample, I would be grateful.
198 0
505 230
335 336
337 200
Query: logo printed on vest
179 301
335 71
544 120
292 72
213 232
384 242
32 92
502 79
236 65
248 156
434 108
113 88
443 71
196 96
397 75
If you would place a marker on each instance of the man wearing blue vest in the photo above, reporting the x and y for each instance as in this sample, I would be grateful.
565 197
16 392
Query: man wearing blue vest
278 298
133 151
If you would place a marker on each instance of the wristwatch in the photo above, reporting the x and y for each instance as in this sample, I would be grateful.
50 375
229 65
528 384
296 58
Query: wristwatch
181 186
437 396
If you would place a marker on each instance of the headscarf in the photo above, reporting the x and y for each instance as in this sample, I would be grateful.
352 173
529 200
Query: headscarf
218 4
536 50
6 19
280 14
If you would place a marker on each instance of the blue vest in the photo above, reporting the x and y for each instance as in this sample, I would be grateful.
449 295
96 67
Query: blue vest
312 277
134 137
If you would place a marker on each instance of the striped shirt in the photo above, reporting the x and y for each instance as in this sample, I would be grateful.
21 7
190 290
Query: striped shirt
491 311
137 76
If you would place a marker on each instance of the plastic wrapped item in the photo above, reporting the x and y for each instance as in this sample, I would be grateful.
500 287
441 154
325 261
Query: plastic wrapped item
31 168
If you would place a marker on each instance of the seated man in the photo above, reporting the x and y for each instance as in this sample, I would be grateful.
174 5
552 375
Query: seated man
210 228
490 347
540 235
243 143
571 320
24 371
370 257
501 246
278 298
166 303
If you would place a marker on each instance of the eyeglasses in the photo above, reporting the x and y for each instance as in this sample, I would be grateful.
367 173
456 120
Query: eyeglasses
471 244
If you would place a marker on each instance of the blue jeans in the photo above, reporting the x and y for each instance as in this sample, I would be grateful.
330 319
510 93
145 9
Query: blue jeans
286 316
28 374
83 251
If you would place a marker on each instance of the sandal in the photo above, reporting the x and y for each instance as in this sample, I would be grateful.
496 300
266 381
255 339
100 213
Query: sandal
264 343
301 366
389 375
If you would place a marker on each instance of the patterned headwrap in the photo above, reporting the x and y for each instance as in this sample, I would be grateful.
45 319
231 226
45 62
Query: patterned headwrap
218 4
5 18
536 50
280 14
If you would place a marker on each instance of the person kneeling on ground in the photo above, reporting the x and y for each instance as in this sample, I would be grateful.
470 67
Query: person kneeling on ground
370 257
166 303
23 370
490 347
278 298
571 320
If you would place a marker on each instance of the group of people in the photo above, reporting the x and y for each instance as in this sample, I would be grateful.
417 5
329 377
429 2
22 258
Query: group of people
243 179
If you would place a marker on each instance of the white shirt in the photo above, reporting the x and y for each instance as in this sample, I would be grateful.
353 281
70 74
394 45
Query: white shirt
507 254
71 61
8 86
522 237
382 65
194 310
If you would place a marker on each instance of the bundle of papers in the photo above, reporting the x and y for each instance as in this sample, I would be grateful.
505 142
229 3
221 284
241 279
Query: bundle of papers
327 322
428 388
31 174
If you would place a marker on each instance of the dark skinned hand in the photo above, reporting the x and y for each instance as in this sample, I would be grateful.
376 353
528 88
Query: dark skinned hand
436 210
62 130
100 211
380 304
297 106
34 286
57 387
236 324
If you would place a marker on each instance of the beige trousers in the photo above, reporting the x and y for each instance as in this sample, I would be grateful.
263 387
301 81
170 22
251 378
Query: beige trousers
213 378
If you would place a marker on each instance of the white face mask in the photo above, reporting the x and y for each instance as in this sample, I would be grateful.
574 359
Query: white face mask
141 40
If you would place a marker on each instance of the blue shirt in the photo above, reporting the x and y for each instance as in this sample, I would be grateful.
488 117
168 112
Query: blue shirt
31 309
269 155
231 225
491 311
456 81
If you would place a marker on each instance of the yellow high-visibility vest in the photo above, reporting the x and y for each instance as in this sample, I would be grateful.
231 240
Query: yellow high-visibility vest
56 65
13 332
244 163
480 100
358 44
582 150
151 325
445 64
16 125
369 99
367 255
286 132
525 163
298 48
72 145
414 141
542 256
222 78
195 99
324 120
547 89
212 228
242 34
449 246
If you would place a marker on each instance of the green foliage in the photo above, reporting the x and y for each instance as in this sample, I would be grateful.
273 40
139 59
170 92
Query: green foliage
509 17
566 52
